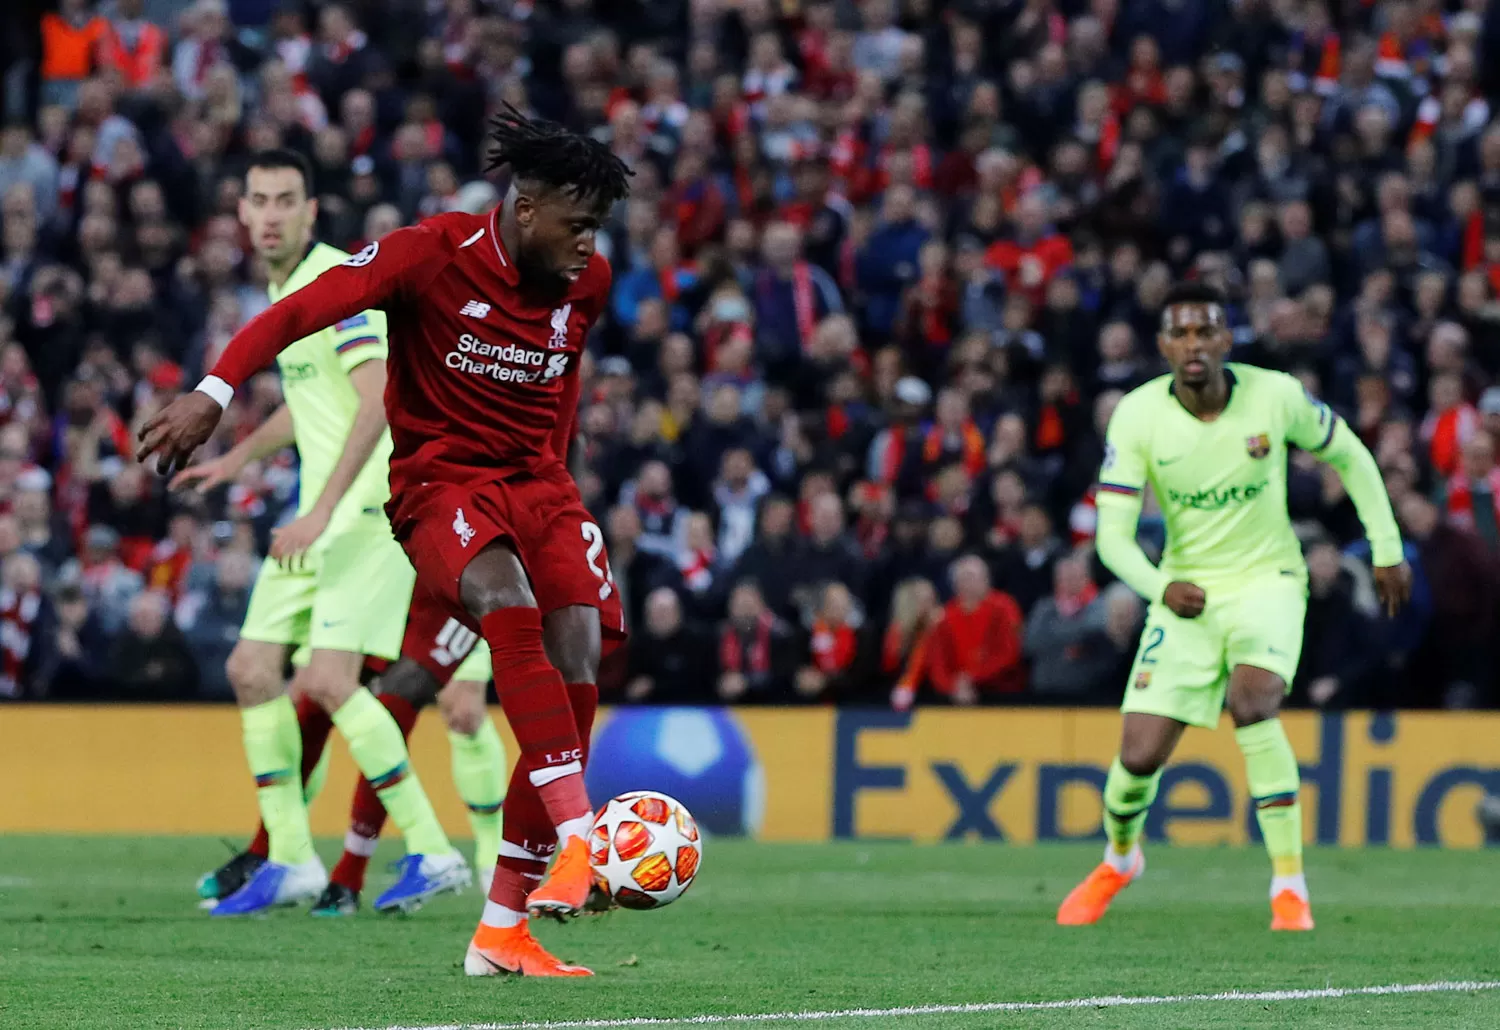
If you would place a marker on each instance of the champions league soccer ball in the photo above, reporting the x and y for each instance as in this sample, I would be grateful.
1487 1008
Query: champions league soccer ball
645 849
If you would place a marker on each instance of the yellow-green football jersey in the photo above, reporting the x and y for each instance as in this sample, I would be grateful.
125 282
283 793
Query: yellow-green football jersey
1221 484
322 399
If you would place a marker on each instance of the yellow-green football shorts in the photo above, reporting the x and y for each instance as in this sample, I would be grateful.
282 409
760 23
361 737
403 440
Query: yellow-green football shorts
352 595
1182 668
476 667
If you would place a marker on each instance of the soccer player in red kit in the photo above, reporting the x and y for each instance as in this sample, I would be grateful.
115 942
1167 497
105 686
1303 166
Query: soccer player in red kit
487 316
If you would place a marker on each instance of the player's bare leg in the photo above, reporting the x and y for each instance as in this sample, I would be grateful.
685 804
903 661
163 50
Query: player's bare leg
1146 742
377 744
503 941
1254 703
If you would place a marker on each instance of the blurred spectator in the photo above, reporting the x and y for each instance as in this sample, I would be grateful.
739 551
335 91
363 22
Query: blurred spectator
1067 640
834 665
151 660
1457 660
827 555
976 649
908 639
24 613
210 620
737 495
663 521
75 653
756 650
637 572
1337 659
670 661
1471 496
107 583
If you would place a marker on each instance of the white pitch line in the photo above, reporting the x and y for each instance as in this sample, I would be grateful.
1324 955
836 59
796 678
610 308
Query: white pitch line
1106 1002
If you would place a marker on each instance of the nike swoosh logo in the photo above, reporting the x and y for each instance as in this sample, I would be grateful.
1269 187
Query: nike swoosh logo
1277 651
330 625
1169 461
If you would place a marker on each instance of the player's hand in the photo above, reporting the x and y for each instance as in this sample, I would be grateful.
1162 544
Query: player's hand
1185 600
179 429
1393 586
290 543
206 475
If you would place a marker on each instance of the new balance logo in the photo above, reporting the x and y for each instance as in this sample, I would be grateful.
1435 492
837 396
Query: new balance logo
560 318
475 309
454 643
462 528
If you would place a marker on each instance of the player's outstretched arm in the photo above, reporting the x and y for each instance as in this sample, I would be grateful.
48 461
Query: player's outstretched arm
1317 429
291 542
1356 467
403 262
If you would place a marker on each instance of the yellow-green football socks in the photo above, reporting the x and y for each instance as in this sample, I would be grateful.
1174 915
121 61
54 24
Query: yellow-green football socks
1127 799
377 748
479 774
273 747
1271 769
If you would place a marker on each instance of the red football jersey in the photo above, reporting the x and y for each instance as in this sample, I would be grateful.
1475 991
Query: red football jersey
482 383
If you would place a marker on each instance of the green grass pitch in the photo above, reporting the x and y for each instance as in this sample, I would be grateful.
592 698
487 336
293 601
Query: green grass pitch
102 933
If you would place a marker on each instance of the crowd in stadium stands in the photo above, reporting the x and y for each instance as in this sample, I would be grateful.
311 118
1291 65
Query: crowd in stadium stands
886 271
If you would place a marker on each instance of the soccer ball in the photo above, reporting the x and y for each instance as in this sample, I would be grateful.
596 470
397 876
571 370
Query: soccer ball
645 849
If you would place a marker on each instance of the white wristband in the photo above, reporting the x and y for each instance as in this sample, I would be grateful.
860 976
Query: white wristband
218 389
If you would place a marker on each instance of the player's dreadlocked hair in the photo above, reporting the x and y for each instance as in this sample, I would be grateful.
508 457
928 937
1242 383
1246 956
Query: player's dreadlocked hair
545 152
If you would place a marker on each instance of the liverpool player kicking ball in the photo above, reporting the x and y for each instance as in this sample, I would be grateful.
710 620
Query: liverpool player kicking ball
1224 628
487 316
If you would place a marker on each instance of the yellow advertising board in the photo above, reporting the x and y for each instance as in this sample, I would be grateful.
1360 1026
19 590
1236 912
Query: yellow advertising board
1017 775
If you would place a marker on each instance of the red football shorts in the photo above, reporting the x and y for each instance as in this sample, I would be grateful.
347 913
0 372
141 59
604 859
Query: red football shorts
543 520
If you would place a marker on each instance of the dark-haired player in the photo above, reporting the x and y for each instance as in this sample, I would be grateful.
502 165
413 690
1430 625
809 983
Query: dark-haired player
487 318
1224 628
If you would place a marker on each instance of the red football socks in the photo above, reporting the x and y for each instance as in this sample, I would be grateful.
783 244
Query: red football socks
529 834
315 724
366 813
536 704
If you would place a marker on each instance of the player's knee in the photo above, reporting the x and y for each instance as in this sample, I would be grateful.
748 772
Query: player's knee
462 705
571 637
252 677
409 681
1141 759
1255 699
323 686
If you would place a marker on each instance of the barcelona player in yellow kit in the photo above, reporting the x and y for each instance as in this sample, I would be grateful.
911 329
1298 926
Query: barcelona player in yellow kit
1224 624
336 581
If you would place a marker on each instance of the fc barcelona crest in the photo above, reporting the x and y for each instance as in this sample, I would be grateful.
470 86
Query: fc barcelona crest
1143 679
1258 446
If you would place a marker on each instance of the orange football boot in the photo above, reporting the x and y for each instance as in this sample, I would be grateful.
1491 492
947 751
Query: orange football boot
498 950
1088 902
566 889
1291 911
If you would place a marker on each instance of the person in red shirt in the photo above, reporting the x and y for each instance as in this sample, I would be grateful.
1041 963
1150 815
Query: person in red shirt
976 649
1035 254
487 319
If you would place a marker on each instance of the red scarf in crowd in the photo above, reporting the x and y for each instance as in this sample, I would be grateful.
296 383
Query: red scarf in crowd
698 570
18 614
1461 498
832 647
971 443
1069 605
894 456
804 301
735 656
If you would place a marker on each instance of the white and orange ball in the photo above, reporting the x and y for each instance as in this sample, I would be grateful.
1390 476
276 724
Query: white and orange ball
645 849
